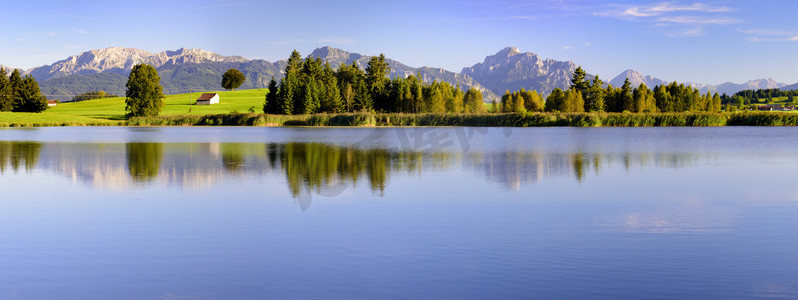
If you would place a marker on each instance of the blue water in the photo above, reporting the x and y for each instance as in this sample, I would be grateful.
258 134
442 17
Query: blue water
398 213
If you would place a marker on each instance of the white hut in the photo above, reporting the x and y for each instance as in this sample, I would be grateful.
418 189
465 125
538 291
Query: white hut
208 99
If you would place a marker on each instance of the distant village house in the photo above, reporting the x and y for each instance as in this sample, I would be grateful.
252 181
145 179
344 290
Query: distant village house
52 103
208 99
776 107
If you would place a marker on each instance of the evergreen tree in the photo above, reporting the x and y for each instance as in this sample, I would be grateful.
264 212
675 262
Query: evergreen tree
376 80
272 104
331 98
611 99
28 96
579 81
289 85
594 98
715 107
15 82
309 101
662 98
144 96
555 101
6 96
625 97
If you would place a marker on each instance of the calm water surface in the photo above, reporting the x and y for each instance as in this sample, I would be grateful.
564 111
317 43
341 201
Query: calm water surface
398 213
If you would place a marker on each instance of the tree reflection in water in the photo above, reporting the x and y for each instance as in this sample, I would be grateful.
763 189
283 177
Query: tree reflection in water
17 154
326 169
144 160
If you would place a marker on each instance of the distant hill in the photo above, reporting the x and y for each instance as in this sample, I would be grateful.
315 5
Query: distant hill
509 69
791 87
729 88
635 79
8 69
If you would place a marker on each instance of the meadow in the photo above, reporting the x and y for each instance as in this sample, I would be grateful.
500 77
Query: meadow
111 111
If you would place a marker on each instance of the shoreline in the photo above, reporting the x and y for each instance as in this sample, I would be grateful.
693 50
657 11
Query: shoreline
680 119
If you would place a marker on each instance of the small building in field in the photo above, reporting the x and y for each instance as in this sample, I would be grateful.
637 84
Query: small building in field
208 99
52 103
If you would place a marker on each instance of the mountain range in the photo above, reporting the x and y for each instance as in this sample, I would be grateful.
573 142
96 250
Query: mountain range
194 70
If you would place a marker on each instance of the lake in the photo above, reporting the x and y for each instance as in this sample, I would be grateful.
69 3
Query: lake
398 213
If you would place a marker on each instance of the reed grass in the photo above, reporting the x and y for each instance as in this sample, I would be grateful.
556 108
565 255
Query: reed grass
699 119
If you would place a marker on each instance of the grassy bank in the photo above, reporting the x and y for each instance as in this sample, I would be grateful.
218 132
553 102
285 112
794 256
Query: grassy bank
482 120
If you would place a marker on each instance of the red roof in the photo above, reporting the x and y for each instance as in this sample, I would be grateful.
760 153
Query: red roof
206 96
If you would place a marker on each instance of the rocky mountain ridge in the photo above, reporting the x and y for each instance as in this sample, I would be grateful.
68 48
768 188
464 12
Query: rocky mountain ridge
509 69
118 58
185 70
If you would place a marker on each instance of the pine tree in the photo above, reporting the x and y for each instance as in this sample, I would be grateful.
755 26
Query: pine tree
29 97
6 97
594 98
376 80
15 82
579 81
331 98
272 104
625 97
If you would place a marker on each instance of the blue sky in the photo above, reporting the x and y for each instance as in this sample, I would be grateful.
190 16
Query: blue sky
699 41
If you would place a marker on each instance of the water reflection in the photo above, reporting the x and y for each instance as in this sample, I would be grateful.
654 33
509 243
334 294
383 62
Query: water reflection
514 169
318 167
144 160
309 168
18 154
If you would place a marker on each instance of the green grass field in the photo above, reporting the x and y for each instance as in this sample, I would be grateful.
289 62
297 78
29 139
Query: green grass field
111 111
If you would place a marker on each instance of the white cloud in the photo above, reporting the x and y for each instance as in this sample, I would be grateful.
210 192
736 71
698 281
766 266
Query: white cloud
673 19
643 11
769 35
566 47
695 20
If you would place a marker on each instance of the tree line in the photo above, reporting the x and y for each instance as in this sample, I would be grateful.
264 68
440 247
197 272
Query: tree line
312 86
746 97
585 95
92 95
20 94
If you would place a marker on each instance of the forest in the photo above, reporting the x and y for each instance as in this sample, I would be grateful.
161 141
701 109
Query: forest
20 94
311 86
